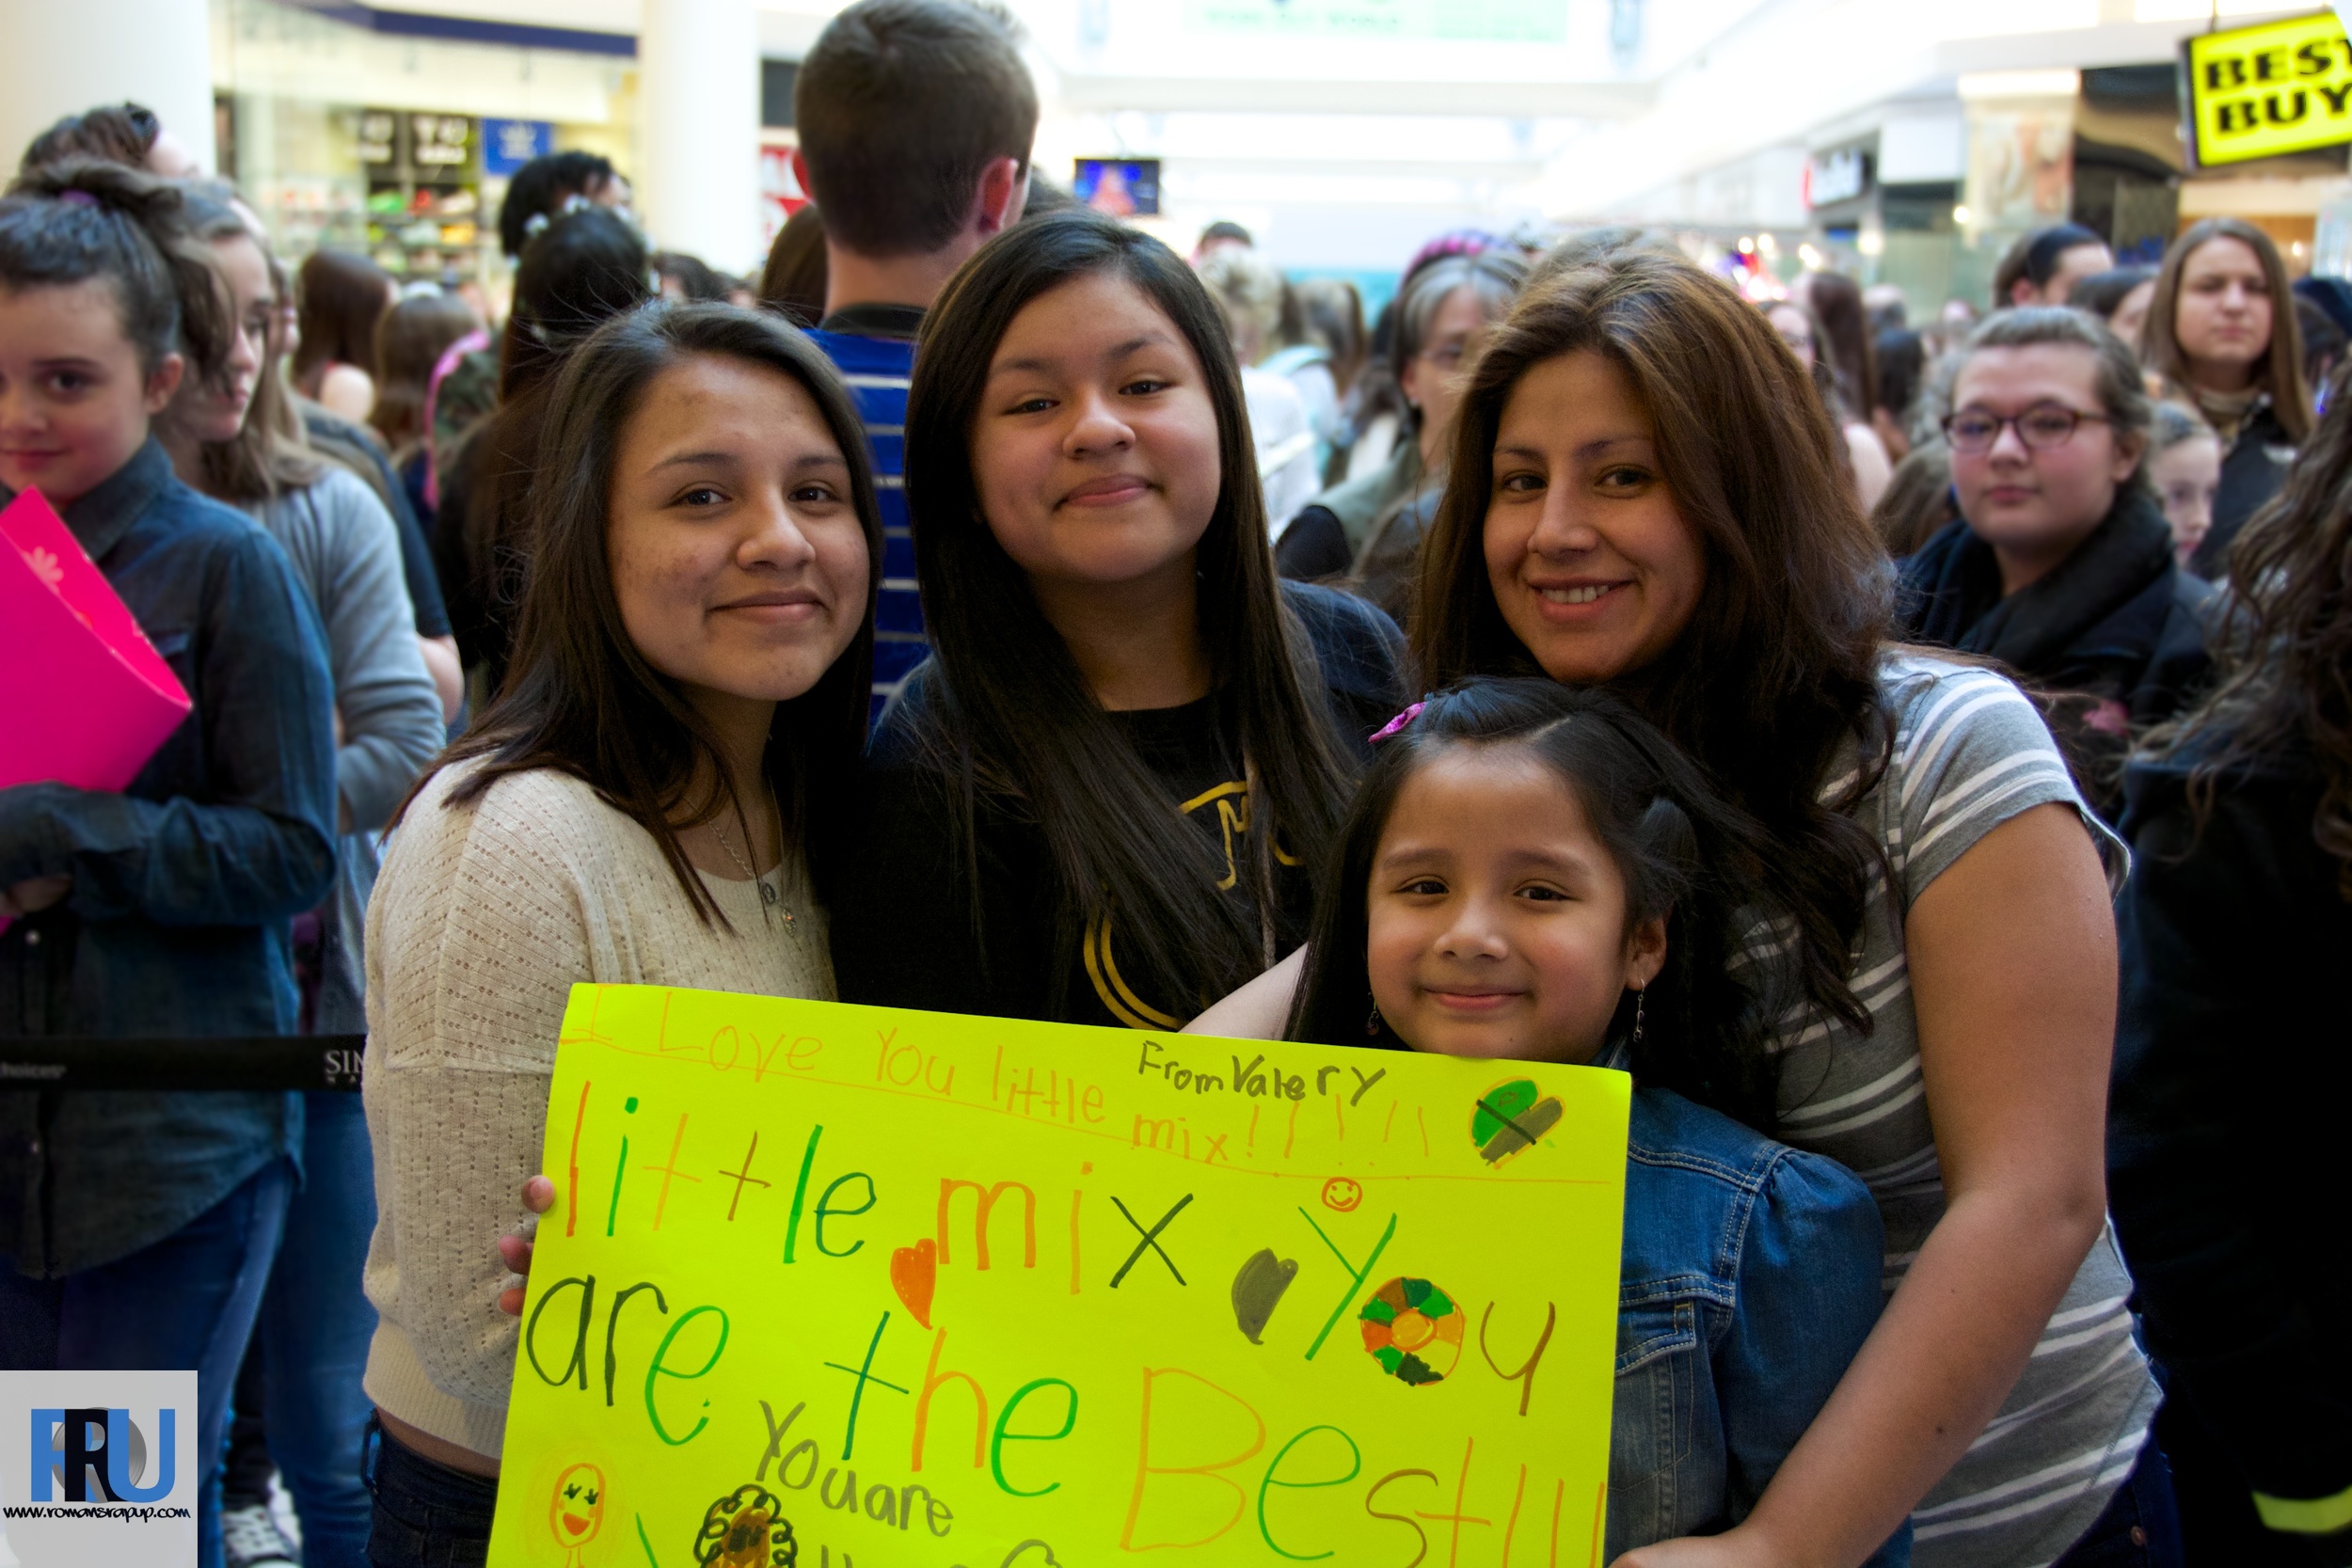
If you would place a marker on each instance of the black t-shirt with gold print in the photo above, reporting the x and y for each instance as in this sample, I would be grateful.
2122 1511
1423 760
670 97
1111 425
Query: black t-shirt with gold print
908 932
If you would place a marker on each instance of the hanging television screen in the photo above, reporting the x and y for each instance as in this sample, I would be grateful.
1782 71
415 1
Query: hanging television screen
1123 187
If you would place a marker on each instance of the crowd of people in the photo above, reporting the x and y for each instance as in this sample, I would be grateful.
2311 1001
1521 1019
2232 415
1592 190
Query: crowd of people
1922 757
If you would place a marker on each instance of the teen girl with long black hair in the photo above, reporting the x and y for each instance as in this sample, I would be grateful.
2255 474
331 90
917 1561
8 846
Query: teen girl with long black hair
1100 799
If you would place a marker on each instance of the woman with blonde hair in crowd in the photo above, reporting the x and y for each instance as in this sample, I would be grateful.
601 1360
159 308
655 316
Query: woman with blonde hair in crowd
1330 315
2222 334
1285 423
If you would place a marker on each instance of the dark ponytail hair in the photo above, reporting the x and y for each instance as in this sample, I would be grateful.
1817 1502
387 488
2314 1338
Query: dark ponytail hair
575 275
122 133
578 273
69 222
1686 857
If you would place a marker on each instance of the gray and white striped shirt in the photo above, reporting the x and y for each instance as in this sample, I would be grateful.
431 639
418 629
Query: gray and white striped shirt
1970 752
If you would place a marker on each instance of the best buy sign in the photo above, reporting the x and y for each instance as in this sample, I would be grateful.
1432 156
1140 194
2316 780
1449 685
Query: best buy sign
2256 92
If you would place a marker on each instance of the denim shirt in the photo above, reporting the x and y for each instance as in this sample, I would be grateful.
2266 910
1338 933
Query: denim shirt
184 884
1749 1279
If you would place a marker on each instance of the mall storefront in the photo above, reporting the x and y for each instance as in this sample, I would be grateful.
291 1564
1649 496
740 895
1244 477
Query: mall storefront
394 134
1929 190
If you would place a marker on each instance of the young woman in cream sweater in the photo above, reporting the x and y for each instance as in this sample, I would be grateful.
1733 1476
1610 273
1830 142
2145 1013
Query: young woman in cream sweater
686 703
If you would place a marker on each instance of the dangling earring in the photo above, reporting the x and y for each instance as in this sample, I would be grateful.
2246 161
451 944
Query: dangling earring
1371 1022
1640 996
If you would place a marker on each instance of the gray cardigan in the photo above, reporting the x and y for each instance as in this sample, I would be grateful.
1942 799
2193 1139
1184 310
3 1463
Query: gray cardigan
346 553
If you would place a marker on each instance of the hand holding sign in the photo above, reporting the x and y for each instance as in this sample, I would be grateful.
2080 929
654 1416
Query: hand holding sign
937 1291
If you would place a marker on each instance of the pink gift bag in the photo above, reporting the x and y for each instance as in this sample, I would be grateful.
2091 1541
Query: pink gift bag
85 698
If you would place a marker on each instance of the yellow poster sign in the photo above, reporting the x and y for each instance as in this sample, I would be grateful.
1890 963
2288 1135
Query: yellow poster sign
832 1285
2256 92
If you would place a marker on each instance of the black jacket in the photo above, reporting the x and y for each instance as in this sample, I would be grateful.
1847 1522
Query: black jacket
2231 1079
2114 633
2252 470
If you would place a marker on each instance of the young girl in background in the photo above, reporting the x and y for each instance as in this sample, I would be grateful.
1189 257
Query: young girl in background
2185 468
137 1228
1531 872
1120 764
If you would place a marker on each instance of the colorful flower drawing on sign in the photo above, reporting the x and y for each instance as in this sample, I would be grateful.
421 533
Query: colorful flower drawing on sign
1414 1330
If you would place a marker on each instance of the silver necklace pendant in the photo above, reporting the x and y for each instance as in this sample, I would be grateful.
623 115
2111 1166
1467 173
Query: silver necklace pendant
769 895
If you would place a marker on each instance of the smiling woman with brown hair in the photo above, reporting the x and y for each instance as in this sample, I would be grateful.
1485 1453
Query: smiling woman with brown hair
653 798
1644 497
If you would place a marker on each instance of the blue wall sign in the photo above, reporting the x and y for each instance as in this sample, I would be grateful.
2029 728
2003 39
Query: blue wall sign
507 145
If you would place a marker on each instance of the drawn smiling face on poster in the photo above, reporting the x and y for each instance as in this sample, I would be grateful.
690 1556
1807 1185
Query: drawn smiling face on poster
576 1510
936 1292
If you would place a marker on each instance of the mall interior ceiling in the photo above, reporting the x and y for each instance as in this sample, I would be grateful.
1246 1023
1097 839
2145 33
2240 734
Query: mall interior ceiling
1901 141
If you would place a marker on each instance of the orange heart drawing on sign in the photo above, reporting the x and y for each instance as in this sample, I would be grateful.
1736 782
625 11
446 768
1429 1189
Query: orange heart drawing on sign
913 1273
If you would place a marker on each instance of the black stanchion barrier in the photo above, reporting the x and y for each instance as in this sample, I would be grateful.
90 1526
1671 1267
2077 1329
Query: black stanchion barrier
263 1062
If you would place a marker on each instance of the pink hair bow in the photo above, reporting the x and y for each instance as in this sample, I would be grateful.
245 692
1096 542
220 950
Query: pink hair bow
1396 725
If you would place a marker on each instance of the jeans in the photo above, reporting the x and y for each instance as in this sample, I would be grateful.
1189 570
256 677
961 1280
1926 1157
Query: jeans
2140 1527
427 1515
186 1302
313 1335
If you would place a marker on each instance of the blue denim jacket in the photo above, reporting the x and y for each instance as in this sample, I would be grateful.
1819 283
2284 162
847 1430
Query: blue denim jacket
184 884
1749 1279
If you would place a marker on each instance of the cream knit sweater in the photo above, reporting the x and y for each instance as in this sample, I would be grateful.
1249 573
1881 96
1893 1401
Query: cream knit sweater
482 921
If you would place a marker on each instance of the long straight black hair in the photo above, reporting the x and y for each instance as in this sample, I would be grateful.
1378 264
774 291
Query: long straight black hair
1685 855
1010 716
579 697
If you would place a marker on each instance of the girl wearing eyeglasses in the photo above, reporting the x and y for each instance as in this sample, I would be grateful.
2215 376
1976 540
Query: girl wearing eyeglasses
2061 565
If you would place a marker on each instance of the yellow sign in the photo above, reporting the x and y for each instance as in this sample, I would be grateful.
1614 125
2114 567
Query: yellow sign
2256 92
834 1286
